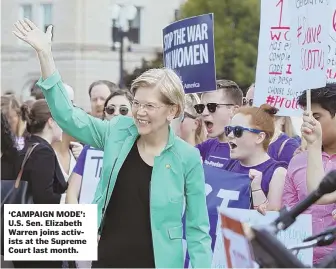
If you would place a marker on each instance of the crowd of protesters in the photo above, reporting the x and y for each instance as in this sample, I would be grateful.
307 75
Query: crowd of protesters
155 139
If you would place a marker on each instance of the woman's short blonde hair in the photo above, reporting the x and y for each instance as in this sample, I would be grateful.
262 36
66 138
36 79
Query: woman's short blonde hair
193 99
167 82
288 127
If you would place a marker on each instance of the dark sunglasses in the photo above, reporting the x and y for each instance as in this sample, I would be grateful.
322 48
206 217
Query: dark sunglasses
212 107
187 115
111 110
239 130
247 102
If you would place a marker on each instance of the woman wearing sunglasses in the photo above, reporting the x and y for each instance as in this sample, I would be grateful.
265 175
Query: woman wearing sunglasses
118 103
249 136
189 126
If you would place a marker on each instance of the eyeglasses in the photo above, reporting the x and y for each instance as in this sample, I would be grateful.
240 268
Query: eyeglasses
212 107
247 102
239 130
147 107
123 110
187 115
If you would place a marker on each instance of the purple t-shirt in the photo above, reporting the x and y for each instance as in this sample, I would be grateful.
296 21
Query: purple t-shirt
267 168
215 153
79 167
286 154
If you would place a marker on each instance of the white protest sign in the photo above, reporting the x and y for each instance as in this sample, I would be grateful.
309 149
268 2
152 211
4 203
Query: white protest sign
310 38
274 74
293 236
91 175
331 71
236 244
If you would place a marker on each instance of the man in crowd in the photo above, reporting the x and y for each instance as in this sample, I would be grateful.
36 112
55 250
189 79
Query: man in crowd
217 109
319 130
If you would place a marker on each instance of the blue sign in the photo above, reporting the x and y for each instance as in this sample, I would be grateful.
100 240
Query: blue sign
224 189
188 48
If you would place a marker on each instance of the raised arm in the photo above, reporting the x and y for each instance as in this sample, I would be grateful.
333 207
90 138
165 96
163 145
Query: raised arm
312 132
74 121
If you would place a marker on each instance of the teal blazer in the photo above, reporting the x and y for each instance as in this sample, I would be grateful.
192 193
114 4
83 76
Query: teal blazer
177 177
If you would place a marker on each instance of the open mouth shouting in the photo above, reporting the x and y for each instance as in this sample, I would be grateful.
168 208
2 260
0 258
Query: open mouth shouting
232 145
208 125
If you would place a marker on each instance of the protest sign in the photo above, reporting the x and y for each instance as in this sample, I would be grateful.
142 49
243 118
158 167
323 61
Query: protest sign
223 189
293 236
331 71
188 48
274 74
54 232
91 175
236 244
310 38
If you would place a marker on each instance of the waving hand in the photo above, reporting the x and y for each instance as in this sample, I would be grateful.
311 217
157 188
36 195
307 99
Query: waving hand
29 33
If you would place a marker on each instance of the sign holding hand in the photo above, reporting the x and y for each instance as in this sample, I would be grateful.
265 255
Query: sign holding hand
311 130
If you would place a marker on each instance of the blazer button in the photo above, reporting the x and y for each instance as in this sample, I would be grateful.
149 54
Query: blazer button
168 166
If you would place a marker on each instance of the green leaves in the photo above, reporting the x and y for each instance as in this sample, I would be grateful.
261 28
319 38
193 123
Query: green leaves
236 36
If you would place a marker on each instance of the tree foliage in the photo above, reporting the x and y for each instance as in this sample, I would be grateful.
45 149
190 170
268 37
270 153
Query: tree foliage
236 38
157 62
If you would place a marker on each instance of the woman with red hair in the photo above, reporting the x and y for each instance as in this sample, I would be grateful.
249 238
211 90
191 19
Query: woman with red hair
249 135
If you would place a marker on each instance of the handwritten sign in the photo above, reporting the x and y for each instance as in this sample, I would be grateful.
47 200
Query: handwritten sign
91 175
236 244
274 75
331 71
293 236
310 38
188 48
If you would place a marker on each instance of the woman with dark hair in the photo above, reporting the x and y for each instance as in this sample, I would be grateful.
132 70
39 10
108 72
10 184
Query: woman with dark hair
118 103
42 171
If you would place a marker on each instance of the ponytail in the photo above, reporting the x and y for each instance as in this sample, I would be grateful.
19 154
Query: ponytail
271 110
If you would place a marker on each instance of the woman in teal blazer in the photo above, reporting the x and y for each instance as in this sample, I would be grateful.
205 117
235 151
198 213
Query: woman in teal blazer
164 165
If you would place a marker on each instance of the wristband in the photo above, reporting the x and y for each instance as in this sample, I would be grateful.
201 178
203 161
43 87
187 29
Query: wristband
257 190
